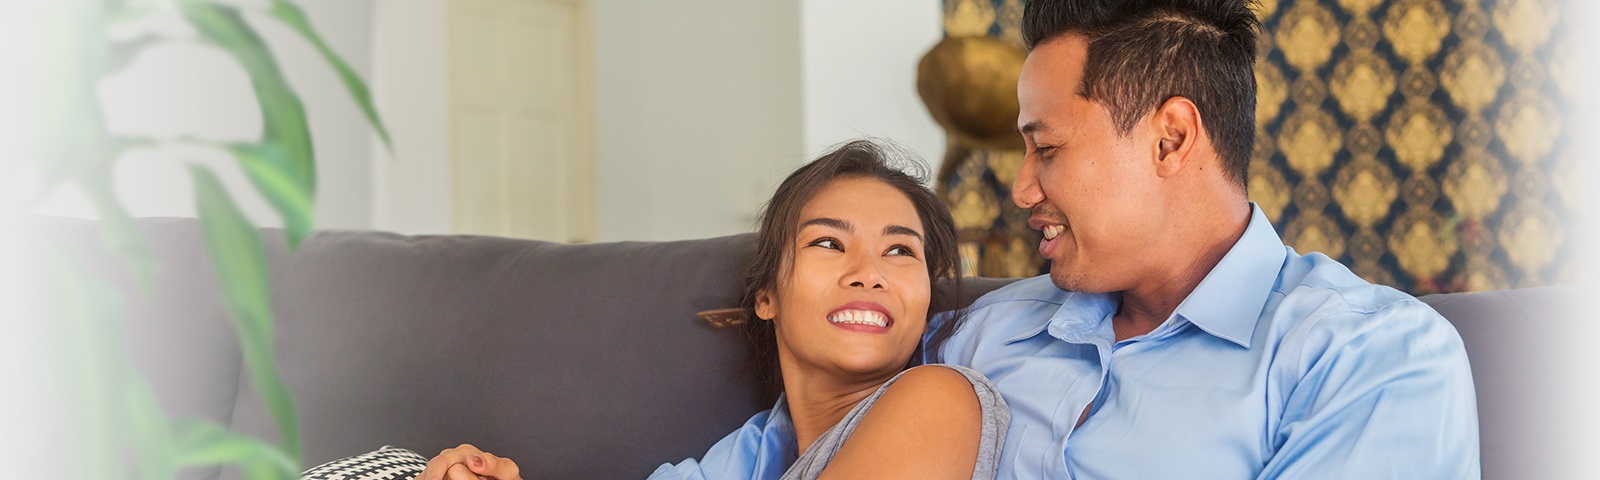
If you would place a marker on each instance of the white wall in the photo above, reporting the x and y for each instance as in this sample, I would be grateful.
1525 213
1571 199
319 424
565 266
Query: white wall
1577 399
344 140
411 187
698 113
860 72
702 106
186 90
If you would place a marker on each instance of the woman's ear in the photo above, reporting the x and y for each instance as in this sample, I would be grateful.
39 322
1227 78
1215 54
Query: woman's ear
766 306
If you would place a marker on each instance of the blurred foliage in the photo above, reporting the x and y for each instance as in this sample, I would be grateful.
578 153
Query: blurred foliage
125 433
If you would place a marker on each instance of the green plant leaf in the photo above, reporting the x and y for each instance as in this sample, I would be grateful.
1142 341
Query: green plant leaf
133 13
291 14
240 261
117 231
200 443
150 426
286 140
88 311
263 165
61 124
121 54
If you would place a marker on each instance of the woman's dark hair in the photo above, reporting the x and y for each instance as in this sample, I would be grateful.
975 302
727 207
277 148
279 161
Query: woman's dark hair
780 221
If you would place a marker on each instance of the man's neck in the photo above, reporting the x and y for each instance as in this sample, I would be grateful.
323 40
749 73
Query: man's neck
1196 252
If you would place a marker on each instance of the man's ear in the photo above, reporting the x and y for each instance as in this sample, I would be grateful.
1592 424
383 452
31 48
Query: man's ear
766 306
1178 127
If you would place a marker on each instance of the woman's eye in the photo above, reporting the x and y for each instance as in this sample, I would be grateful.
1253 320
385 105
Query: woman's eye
901 250
827 243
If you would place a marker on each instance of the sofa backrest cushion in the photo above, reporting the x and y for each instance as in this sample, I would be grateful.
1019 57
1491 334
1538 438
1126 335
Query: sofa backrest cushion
177 330
579 361
1524 379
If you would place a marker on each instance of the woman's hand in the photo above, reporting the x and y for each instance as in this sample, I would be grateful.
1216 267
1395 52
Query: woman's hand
467 462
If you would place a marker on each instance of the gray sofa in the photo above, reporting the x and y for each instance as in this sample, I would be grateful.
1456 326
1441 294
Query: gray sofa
579 361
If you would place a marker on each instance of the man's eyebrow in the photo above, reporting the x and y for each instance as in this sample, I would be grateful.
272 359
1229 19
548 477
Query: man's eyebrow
900 230
1031 127
828 222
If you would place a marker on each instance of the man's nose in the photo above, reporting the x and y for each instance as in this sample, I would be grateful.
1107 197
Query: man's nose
1025 191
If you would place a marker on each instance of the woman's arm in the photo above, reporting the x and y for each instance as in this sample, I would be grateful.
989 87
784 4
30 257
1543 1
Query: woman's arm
927 425
467 462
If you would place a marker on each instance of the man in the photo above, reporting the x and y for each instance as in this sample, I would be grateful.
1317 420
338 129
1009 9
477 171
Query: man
1176 336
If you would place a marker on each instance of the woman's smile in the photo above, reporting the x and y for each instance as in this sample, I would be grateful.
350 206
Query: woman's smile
861 316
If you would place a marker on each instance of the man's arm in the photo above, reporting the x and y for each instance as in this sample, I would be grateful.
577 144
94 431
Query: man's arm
1385 394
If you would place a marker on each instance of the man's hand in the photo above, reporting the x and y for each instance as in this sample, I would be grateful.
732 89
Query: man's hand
467 462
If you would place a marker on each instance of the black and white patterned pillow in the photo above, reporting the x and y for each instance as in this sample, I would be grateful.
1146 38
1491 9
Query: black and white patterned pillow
387 463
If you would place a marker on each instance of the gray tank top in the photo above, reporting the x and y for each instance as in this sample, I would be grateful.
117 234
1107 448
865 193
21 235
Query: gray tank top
996 418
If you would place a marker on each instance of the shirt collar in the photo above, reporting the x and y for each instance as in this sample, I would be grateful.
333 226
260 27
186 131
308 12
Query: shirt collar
1228 301
1079 319
779 419
777 440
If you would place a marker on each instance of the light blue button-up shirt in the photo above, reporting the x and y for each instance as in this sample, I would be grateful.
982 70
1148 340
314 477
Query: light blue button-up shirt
1278 365
763 448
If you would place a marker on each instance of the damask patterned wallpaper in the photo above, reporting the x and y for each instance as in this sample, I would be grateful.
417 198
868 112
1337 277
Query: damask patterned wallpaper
1420 142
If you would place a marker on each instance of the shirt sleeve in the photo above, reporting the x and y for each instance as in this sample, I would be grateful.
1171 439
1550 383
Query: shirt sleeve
688 469
925 355
1385 394
754 451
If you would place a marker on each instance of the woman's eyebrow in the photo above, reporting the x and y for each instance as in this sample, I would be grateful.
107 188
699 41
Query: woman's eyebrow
829 222
850 228
900 230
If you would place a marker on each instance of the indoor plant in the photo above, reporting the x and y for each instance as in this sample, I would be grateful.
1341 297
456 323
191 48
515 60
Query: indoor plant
117 427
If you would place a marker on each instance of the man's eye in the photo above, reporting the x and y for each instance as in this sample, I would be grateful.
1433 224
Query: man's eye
1044 151
827 243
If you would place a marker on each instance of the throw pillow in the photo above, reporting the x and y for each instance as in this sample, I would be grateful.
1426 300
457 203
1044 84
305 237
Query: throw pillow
387 463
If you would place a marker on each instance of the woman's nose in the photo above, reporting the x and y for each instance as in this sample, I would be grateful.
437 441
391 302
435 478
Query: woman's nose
864 273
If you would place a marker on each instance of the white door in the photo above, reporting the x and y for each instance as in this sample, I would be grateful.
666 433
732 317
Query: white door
521 119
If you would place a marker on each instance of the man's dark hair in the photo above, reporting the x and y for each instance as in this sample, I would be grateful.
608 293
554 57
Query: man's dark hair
1144 52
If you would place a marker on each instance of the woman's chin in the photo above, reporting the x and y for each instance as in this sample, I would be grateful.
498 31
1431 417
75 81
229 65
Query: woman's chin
870 366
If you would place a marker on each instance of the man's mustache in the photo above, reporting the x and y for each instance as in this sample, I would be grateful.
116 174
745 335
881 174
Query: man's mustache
1045 213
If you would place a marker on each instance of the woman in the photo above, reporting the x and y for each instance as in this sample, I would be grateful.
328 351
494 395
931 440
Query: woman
841 286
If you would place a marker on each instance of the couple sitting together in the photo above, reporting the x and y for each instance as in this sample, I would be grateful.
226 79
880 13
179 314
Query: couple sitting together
1175 336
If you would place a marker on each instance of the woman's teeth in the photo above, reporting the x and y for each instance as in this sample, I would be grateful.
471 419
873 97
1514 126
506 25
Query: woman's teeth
860 317
1053 231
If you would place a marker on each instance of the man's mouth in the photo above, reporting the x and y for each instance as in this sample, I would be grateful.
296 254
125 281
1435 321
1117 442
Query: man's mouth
1053 231
1052 224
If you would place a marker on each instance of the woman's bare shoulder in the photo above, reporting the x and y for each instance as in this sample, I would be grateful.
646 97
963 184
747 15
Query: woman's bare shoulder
927 383
927 424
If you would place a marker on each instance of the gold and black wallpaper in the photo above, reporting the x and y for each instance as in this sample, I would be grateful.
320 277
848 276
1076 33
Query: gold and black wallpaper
1420 142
